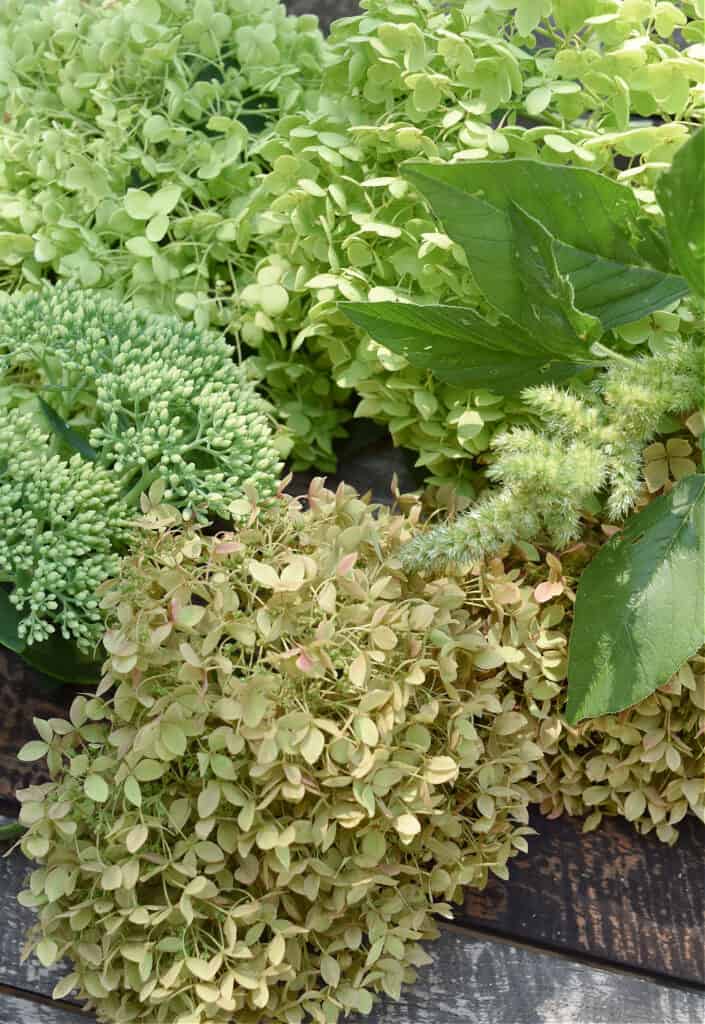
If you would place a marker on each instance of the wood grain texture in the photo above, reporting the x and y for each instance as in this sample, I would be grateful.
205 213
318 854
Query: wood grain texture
610 894
18 1010
472 979
23 695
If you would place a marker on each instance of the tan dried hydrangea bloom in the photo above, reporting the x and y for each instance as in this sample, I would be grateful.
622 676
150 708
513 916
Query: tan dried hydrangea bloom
292 773
306 753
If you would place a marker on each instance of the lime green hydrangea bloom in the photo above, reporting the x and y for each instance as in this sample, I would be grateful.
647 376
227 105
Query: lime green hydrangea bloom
472 81
126 130
100 401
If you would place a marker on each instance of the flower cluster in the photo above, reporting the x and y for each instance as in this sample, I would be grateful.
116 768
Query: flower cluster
588 442
125 147
220 158
126 400
555 81
305 755
298 753
62 520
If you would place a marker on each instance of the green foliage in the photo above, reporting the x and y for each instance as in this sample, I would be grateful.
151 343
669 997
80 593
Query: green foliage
546 269
460 347
101 403
304 755
135 134
598 240
463 84
681 193
125 152
628 637
589 442
549 478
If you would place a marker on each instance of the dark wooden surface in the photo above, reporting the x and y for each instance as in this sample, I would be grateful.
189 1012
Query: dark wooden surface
473 978
610 894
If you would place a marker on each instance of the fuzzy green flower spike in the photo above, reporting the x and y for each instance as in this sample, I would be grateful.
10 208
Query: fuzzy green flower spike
102 401
590 442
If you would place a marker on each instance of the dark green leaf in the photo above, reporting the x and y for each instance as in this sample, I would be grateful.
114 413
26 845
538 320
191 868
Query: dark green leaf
546 296
578 207
681 193
9 623
639 612
458 345
67 434
616 293
13 830
600 243
59 659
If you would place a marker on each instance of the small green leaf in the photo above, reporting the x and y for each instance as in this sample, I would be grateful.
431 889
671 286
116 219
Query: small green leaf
67 434
13 830
35 750
139 204
132 791
681 193
639 611
96 788
459 346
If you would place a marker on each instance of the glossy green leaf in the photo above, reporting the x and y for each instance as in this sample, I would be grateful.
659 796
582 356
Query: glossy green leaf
547 306
60 659
600 243
639 612
460 346
617 293
9 624
67 434
681 193
579 207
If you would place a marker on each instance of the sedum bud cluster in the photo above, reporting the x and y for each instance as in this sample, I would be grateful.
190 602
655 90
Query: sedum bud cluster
60 522
589 443
102 401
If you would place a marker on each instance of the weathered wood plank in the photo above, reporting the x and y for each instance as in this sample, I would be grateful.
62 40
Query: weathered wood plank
472 979
610 894
23 695
15 1010
476 981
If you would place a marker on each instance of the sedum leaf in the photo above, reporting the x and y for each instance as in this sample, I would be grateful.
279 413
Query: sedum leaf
459 346
75 441
639 611
9 624
681 193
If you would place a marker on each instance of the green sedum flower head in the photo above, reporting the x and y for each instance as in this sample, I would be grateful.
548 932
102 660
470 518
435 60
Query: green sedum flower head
102 401
61 520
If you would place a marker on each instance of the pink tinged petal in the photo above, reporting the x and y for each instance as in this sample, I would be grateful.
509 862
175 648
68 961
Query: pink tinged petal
345 564
545 591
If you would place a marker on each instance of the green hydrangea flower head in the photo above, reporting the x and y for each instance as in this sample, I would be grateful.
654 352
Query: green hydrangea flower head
102 401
